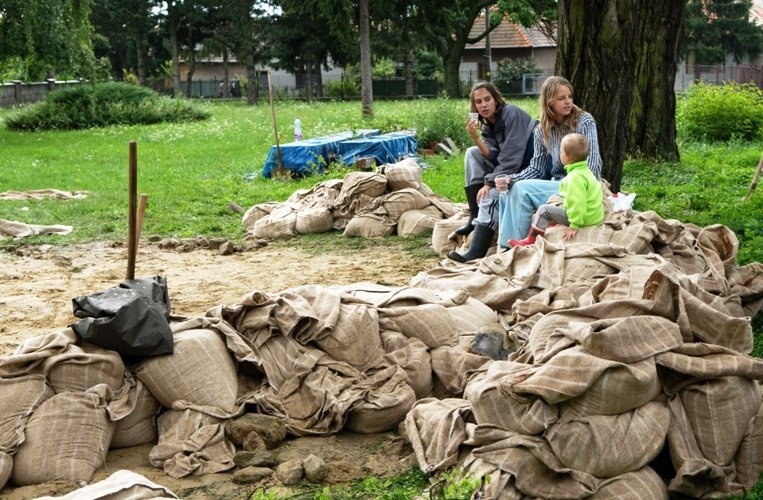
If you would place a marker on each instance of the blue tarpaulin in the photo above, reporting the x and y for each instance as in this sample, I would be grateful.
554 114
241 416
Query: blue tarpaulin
312 155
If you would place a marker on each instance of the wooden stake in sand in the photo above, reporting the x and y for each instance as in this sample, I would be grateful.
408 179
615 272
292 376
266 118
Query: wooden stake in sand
275 128
132 243
755 178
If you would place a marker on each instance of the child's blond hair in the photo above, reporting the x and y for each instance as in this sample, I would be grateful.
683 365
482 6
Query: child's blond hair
575 147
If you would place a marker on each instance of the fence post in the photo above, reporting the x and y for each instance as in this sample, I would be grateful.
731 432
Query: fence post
16 91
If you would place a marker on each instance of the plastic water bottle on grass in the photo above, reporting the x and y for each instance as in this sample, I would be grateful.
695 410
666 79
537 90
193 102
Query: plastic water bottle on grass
297 129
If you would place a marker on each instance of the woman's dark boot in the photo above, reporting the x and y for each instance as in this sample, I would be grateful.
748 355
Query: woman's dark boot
471 198
478 247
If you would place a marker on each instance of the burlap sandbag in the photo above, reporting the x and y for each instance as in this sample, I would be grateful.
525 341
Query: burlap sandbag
359 189
6 467
719 411
369 225
749 457
415 222
354 339
436 429
471 315
453 367
644 484
67 437
525 415
256 213
397 203
280 223
412 355
191 443
429 323
200 374
384 405
442 229
139 426
314 220
82 366
608 445
19 397
401 175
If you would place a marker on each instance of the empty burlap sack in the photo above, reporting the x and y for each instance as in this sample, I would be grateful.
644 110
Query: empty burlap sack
67 437
401 175
384 405
412 355
314 220
608 445
256 213
523 414
6 467
191 443
471 315
415 222
121 485
201 374
80 367
442 229
19 397
453 366
139 426
370 225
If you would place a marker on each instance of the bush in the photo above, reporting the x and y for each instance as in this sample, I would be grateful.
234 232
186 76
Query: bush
101 105
445 119
721 112
342 89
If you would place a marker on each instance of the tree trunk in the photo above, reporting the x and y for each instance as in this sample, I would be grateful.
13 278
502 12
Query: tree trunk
621 56
408 71
191 70
175 50
366 80
140 59
253 77
226 74
309 82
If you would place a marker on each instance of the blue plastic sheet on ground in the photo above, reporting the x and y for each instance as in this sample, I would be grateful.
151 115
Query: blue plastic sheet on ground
313 155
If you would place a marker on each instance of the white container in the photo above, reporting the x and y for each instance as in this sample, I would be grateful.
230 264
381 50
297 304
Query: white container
297 129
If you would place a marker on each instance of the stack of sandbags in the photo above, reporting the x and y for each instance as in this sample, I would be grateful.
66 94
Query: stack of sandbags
393 200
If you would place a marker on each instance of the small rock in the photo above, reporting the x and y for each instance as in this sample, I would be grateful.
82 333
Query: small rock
271 429
315 469
215 243
253 442
261 458
227 248
290 472
251 475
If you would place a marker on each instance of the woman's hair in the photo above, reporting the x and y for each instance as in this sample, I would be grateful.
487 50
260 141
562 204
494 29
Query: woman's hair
497 97
547 117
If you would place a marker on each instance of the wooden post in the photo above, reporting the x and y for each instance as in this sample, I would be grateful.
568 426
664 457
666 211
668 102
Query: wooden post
755 179
132 209
275 128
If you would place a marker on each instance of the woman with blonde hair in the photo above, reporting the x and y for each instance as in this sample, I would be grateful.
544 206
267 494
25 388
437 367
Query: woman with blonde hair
531 188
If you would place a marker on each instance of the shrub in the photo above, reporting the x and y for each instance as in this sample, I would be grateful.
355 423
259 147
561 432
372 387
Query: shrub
721 112
342 88
101 105
445 119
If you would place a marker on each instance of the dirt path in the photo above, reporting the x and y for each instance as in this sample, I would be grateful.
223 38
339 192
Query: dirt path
37 284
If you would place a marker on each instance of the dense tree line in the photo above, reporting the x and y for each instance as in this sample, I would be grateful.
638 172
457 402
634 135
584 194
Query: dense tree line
631 95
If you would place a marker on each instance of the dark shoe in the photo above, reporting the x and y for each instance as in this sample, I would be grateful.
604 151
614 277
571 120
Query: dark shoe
480 244
471 198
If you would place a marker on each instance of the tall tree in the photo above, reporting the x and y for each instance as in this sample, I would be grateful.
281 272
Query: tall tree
48 38
366 92
716 29
639 41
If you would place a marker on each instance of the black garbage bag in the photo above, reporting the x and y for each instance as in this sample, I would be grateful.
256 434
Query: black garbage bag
132 319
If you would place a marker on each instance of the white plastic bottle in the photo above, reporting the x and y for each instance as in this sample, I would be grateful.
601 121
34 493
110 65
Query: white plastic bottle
297 129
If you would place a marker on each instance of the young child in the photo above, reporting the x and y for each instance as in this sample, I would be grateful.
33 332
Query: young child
580 192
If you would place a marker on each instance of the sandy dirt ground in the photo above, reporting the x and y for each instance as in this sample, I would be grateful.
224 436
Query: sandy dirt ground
38 283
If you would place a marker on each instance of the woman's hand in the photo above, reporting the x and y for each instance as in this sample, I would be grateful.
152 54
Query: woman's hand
483 193
473 127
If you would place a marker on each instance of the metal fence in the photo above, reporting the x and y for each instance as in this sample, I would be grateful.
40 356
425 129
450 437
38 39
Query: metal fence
17 93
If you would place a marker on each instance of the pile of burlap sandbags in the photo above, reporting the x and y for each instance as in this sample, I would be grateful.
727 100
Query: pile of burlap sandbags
64 403
631 375
392 200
